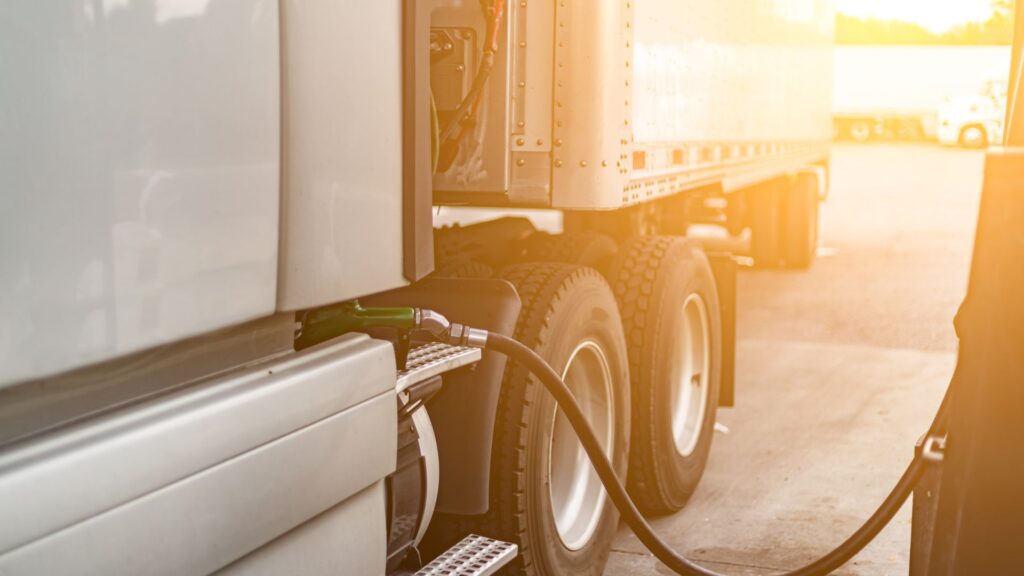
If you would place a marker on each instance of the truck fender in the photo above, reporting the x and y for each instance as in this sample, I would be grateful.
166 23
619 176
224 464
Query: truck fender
464 412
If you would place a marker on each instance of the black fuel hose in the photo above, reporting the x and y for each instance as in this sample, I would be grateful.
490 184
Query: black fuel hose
676 562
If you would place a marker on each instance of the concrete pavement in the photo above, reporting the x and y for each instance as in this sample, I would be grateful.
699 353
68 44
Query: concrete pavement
839 370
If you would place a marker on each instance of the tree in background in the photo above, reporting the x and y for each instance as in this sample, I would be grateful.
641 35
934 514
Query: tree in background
998 29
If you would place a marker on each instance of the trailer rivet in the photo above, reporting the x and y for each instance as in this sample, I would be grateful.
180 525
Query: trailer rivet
540 141
460 68
522 84
583 163
520 162
604 163
558 163
558 142
520 124
522 44
523 4
520 142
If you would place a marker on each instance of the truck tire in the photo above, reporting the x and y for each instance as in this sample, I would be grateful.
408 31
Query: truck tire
464 269
545 496
765 213
667 294
800 231
583 248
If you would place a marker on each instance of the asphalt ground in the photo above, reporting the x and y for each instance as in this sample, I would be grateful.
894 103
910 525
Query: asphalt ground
839 371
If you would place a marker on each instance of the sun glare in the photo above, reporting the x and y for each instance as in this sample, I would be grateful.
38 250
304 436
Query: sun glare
936 15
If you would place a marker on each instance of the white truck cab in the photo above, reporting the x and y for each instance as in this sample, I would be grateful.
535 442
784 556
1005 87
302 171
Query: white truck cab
974 120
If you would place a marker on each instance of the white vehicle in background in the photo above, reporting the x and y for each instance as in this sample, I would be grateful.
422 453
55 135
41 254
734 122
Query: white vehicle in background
885 93
975 120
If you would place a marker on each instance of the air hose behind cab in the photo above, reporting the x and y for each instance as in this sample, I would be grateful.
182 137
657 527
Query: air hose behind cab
465 336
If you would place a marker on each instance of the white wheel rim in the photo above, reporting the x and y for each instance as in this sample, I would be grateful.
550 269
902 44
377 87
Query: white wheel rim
577 496
860 132
692 372
973 136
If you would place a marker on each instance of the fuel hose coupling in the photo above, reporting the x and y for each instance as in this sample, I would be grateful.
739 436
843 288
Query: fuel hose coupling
444 331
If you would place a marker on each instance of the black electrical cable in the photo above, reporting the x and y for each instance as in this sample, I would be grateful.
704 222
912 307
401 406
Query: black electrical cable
679 564
463 119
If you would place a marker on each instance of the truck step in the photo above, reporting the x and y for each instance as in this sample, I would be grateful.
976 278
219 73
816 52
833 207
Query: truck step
434 359
473 556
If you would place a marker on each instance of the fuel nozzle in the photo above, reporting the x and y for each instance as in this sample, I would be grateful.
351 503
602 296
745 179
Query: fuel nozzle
326 323
444 331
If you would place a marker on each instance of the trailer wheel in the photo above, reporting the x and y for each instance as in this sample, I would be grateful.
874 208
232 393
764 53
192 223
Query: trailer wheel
545 496
765 207
859 131
584 248
667 294
973 136
800 232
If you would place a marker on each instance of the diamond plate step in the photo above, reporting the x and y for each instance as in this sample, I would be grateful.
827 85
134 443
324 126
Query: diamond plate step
473 556
432 360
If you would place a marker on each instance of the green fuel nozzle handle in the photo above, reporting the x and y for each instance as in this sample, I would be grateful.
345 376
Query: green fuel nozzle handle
326 323
333 321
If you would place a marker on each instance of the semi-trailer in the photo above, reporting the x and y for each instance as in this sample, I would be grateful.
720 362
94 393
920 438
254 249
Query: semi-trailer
218 243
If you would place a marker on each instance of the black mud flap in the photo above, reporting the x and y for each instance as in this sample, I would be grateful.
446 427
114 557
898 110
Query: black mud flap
724 268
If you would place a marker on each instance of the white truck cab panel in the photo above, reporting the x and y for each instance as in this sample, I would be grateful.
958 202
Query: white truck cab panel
342 183
139 175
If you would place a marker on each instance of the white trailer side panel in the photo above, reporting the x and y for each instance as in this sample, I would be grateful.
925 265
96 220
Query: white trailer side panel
911 79
661 96
650 98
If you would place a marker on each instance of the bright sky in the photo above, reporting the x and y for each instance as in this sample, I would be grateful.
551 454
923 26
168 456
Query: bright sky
936 15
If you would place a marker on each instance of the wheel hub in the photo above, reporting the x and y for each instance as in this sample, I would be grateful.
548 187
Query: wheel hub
690 386
577 496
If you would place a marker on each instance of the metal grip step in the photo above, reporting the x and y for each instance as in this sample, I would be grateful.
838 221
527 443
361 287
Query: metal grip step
473 556
432 360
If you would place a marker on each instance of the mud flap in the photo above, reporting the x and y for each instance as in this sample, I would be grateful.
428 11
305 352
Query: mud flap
723 266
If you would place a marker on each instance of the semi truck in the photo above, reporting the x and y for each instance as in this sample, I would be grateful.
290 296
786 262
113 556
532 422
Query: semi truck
219 254
973 120
897 92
